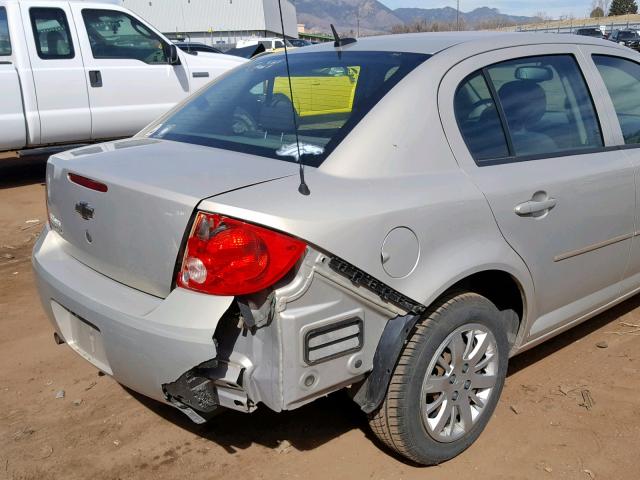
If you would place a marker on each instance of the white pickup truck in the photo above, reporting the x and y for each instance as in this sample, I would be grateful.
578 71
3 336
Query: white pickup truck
78 72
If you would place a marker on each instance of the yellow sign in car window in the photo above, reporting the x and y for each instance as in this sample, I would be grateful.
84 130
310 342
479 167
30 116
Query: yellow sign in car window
329 91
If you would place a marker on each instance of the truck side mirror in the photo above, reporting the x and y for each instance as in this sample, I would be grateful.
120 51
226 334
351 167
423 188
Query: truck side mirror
171 51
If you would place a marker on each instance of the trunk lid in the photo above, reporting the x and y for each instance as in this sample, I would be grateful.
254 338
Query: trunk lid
135 228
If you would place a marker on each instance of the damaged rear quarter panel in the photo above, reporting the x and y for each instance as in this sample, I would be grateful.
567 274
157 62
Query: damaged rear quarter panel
350 218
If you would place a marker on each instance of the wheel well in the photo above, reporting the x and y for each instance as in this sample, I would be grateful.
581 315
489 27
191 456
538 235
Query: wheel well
503 290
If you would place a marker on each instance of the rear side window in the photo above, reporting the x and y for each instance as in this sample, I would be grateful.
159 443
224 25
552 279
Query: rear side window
544 105
51 33
114 34
251 109
5 43
478 119
622 79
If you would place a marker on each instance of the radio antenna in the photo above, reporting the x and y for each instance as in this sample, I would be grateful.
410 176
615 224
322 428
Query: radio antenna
303 188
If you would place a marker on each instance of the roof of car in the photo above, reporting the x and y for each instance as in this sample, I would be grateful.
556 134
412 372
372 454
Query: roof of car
431 43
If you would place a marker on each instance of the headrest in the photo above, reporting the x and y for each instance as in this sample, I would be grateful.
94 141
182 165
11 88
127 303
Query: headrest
524 103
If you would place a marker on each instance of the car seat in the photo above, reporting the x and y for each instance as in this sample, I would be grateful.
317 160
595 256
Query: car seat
525 103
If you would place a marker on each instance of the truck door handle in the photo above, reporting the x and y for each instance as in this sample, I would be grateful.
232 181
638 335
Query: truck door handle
534 206
95 78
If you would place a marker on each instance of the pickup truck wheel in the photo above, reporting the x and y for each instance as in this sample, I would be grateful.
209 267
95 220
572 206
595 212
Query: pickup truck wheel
447 381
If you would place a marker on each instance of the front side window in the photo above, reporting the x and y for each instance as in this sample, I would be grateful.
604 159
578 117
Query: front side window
622 79
51 33
116 35
5 43
252 110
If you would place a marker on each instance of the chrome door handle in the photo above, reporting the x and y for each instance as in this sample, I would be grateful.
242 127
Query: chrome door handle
534 206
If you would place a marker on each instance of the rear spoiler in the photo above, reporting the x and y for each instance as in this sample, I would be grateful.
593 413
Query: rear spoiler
246 52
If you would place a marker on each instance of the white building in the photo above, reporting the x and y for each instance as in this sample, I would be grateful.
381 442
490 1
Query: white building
217 21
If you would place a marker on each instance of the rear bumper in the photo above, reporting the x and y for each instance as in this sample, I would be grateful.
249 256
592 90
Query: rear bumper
141 340
194 351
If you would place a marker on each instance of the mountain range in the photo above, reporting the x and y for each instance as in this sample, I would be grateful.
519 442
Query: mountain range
371 16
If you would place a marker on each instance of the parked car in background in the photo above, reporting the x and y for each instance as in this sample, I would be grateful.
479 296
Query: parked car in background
299 42
76 72
460 187
270 44
628 38
590 32
196 47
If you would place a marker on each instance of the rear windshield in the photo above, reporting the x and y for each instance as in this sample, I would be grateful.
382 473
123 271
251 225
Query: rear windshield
251 109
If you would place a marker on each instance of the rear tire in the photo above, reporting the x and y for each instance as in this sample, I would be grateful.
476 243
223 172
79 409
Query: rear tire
447 381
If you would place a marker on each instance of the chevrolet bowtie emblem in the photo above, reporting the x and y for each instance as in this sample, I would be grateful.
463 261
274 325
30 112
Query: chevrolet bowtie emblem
85 210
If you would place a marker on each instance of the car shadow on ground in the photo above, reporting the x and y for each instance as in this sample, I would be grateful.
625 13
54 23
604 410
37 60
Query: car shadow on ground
305 428
317 423
17 172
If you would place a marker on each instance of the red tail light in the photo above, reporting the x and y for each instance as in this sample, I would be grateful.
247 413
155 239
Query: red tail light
225 256
88 183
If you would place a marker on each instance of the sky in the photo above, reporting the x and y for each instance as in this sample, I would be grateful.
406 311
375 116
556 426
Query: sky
553 8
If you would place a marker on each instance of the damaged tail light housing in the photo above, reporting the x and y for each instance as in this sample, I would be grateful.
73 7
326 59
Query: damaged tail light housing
226 256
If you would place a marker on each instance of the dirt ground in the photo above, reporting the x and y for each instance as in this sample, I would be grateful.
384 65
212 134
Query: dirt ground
570 409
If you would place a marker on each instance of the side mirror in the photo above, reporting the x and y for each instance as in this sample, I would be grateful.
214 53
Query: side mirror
171 52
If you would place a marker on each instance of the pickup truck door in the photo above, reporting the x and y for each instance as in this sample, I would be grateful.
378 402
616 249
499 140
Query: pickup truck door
561 193
126 65
58 72
13 132
12 125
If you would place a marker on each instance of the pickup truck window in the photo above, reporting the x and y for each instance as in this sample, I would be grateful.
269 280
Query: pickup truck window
51 33
5 43
114 34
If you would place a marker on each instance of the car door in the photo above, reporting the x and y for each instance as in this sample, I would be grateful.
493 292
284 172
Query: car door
130 79
12 121
619 73
527 133
58 73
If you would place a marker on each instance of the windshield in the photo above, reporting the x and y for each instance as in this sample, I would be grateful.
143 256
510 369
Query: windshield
627 36
251 109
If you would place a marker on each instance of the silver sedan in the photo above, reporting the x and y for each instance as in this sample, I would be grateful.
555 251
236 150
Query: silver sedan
396 216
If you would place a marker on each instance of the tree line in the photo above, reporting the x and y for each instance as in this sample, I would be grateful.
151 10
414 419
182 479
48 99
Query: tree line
602 8
423 25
